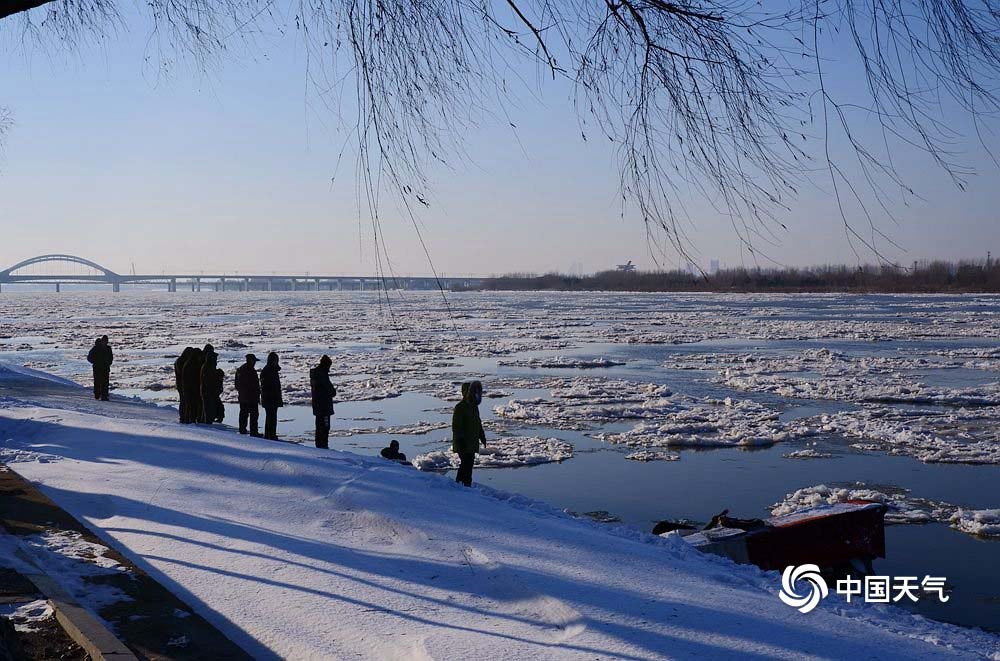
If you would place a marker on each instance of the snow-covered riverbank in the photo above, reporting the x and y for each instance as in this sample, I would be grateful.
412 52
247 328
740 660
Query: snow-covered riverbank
300 553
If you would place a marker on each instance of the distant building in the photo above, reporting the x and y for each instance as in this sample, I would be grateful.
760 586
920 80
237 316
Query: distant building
628 267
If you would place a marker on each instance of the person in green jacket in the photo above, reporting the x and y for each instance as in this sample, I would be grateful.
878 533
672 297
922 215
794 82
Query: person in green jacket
467 430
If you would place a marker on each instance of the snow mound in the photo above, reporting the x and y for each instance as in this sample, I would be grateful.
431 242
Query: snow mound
10 371
25 616
13 455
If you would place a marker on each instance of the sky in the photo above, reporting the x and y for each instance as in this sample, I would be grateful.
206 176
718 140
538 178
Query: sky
242 168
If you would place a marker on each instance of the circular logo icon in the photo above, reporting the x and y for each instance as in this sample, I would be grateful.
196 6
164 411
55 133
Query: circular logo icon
808 574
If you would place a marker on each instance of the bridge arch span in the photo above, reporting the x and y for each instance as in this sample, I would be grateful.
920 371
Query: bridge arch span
73 259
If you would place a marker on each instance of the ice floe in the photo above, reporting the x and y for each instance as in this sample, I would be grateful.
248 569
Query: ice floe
807 453
503 452
958 436
982 523
710 423
561 362
652 455
903 507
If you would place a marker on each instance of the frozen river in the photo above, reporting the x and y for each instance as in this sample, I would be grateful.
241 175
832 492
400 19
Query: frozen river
643 407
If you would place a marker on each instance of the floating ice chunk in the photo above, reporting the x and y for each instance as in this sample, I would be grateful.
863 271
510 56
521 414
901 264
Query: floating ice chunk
982 523
504 452
415 429
903 508
652 455
959 436
808 453
689 422
561 362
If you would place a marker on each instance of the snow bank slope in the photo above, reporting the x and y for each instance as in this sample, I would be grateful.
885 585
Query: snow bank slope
300 553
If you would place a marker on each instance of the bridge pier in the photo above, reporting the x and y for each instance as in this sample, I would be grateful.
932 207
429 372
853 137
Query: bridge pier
57 287
293 283
172 285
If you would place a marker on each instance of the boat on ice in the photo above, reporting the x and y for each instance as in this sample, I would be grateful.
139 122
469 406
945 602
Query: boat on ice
830 536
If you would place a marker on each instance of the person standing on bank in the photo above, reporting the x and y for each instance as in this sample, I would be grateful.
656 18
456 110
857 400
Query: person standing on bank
211 389
248 395
467 430
323 393
270 395
101 357
179 378
191 380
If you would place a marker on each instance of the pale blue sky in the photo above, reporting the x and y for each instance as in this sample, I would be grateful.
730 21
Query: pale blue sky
231 169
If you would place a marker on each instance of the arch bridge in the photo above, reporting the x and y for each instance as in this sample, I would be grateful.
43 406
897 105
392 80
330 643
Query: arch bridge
94 273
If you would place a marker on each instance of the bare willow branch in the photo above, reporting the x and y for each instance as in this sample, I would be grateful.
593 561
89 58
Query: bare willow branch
730 101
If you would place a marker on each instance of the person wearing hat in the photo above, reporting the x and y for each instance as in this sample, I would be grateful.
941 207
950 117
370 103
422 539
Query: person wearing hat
248 395
467 430
323 393
270 395
101 357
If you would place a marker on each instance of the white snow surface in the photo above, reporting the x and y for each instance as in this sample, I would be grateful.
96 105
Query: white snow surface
300 553
25 616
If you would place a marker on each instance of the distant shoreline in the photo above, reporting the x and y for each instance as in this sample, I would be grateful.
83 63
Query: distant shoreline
936 277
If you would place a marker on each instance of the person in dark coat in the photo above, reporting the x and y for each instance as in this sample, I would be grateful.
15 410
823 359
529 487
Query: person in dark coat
323 393
191 381
248 394
101 357
270 395
392 452
467 430
179 378
220 408
211 389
